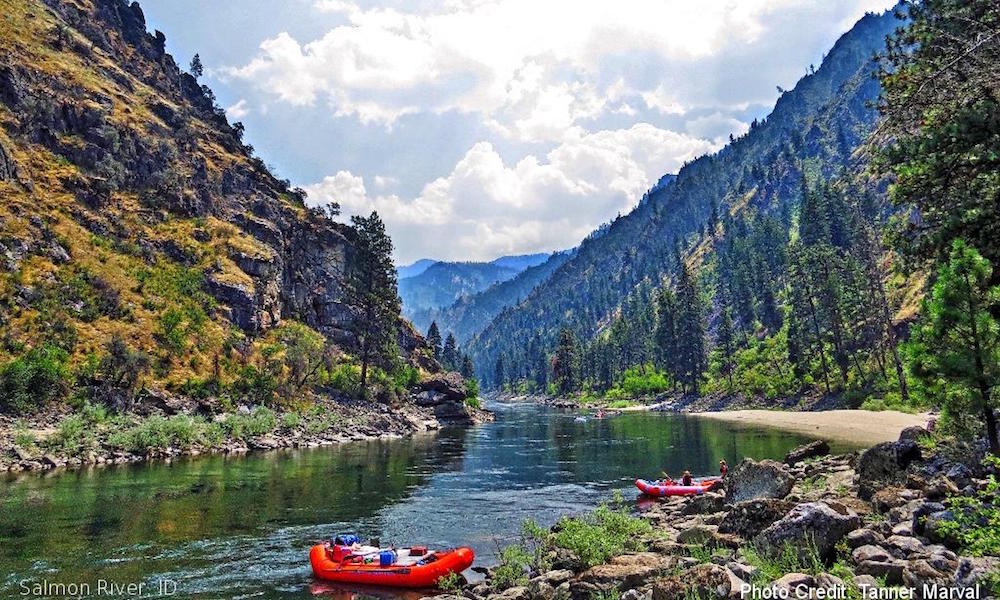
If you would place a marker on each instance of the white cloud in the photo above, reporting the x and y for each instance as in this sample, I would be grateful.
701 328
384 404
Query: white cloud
534 69
485 208
238 110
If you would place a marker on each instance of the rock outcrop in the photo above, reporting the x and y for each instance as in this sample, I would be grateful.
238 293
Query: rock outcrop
752 479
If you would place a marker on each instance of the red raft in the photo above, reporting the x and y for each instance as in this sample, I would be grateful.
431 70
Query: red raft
659 490
404 567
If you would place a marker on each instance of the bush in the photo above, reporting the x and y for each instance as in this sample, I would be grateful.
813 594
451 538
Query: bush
72 434
34 379
602 535
976 522
472 388
512 570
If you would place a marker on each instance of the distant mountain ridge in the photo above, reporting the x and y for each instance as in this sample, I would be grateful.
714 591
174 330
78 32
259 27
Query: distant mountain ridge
471 314
438 284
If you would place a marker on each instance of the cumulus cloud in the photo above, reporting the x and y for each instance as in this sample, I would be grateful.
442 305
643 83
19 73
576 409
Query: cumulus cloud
534 69
238 110
485 208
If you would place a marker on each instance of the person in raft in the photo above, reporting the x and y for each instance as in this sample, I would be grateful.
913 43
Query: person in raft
723 467
667 479
686 478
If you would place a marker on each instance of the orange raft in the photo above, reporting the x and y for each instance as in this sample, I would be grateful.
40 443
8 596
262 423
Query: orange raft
411 567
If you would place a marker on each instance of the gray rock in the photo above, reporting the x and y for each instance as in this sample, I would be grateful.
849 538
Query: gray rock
702 581
749 518
863 537
817 524
704 504
891 570
870 553
518 592
810 450
752 479
786 585
884 465
699 534
902 546
972 571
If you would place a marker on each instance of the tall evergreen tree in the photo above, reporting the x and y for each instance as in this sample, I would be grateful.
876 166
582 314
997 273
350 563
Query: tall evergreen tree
371 291
958 339
434 340
724 341
691 332
449 354
566 362
467 370
197 69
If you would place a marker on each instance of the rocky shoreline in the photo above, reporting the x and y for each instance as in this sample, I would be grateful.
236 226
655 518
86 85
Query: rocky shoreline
164 426
815 525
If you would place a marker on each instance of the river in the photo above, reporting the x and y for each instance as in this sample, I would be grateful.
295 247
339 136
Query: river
241 527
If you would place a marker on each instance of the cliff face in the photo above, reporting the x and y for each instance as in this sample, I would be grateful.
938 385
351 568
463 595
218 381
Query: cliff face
127 196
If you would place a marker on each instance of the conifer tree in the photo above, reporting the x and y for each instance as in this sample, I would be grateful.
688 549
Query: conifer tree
955 350
566 362
434 340
449 355
724 340
197 69
371 291
467 370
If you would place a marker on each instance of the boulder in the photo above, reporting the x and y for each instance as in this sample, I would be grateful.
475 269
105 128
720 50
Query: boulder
864 537
752 479
699 534
940 487
749 518
701 581
817 524
884 465
704 504
451 386
518 592
891 570
813 449
912 433
902 546
627 571
787 585
973 571
870 553
918 573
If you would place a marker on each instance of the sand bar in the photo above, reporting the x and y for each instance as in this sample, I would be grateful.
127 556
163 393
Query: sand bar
862 427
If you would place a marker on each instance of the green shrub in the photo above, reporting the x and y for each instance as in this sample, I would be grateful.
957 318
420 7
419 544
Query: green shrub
471 388
602 535
512 570
291 420
452 582
976 522
473 402
72 434
34 379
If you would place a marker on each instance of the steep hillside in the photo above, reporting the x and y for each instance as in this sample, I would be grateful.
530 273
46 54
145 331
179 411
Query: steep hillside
143 244
817 125
471 314
442 283
415 268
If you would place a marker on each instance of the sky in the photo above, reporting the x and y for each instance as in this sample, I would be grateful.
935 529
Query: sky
482 128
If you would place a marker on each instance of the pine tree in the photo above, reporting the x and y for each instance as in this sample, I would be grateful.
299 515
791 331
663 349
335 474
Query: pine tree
724 340
955 350
499 373
665 334
197 69
467 370
691 332
434 340
566 362
449 354
371 292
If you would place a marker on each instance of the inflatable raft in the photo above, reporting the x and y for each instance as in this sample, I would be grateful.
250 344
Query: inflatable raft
414 567
657 489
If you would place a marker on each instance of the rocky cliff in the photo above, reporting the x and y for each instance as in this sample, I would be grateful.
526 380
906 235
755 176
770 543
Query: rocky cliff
131 209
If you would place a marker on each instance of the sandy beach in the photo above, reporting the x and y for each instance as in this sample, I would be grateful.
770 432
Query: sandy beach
853 426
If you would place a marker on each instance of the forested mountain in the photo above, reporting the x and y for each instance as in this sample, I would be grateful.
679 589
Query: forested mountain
415 268
717 238
145 248
442 283
470 314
